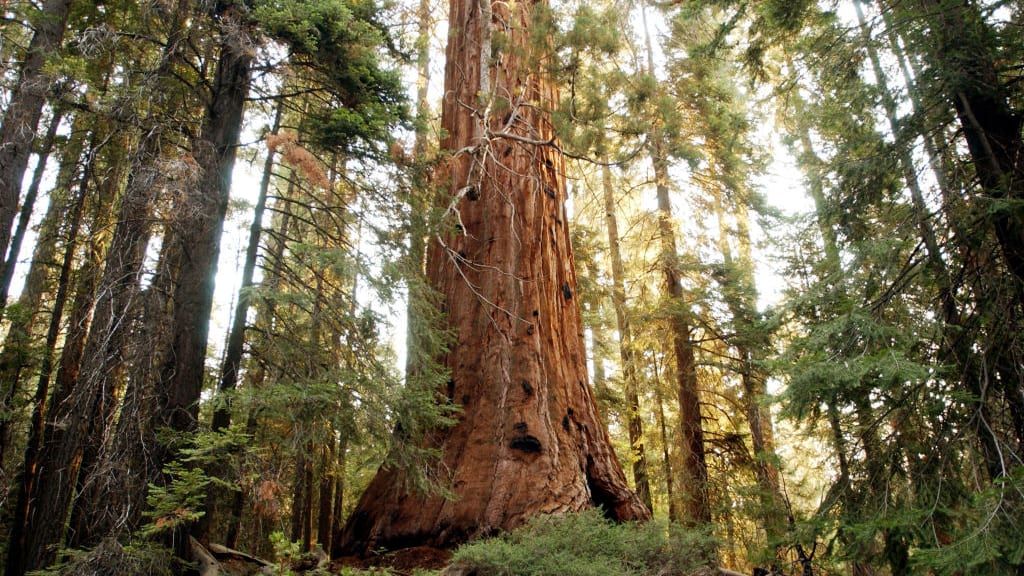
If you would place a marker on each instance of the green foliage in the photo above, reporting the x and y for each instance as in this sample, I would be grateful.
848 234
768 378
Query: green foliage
587 544
345 45
178 502
988 536
285 553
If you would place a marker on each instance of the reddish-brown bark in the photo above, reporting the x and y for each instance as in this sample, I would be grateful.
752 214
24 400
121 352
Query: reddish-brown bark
529 439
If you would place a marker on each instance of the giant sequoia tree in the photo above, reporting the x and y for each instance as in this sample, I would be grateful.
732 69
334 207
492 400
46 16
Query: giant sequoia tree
529 439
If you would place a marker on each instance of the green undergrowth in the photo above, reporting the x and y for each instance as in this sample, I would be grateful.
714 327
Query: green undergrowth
587 544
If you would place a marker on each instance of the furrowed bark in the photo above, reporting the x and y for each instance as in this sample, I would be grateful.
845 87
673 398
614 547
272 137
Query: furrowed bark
529 440
82 408
21 524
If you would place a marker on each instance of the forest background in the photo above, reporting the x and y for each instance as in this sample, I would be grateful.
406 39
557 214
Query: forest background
797 231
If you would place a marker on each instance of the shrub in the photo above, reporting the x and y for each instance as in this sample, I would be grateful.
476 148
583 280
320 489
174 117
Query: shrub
587 544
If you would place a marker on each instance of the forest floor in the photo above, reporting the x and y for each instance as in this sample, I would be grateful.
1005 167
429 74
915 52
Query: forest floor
399 562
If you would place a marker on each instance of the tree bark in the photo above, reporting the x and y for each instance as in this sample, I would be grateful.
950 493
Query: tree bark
963 55
954 344
325 515
181 376
339 494
112 482
307 505
295 534
529 440
7 271
236 337
21 118
629 379
275 258
80 419
673 510
27 489
694 472
752 347
16 354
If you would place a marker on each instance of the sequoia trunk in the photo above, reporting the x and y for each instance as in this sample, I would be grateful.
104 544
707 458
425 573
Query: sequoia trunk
529 440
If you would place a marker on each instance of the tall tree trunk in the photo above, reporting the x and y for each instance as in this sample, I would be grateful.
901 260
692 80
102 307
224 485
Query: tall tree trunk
307 502
751 348
236 335
626 353
339 493
325 514
921 212
7 269
78 427
275 257
298 491
964 56
673 510
112 485
181 377
594 305
16 354
529 439
25 108
938 157
955 345
27 490
694 472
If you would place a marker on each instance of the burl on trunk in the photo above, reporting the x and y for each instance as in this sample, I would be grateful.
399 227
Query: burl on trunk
529 440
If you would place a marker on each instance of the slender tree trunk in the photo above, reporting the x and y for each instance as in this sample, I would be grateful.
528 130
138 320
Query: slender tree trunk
921 212
7 270
938 158
752 347
275 258
80 316
529 439
16 354
238 500
236 337
954 344
963 54
325 515
418 355
24 110
234 349
339 490
27 489
298 492
694 472
673 510
629 378
307 498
